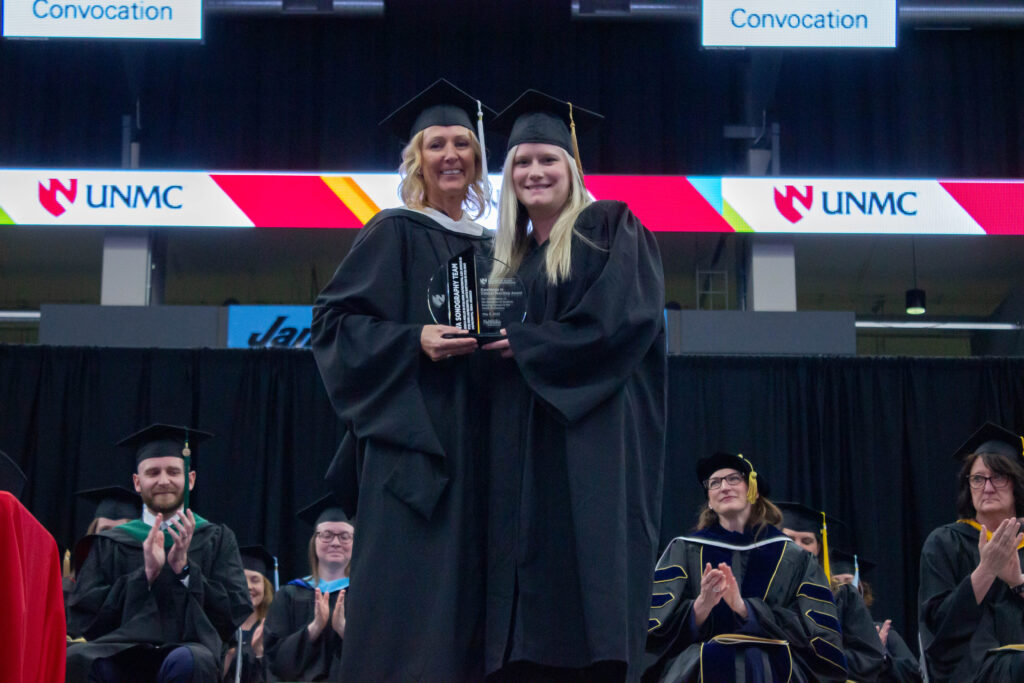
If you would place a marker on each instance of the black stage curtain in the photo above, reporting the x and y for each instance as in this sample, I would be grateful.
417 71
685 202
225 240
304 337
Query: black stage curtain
868 439
306 93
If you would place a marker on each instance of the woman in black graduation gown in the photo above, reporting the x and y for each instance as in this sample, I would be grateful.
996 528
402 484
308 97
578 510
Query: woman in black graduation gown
578 415
736 600
411 400
970 600
305 627
257 564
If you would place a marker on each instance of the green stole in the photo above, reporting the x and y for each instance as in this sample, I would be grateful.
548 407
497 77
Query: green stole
139 530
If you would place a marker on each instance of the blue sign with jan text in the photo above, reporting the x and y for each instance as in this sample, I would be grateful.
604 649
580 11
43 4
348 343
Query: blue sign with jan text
269 326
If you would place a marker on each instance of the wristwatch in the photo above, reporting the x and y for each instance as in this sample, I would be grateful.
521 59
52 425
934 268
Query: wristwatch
1018 589
184 574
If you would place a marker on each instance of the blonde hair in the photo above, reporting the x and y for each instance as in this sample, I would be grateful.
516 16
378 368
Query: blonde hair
763 513
268 597
413 190
512 241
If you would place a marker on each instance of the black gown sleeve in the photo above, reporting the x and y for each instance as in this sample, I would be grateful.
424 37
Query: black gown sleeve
222 597
861 644
948 611
367 354
289 652
807 620
103 596
612 310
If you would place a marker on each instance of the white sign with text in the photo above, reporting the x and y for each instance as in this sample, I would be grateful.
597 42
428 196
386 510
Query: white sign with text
116 19
798 23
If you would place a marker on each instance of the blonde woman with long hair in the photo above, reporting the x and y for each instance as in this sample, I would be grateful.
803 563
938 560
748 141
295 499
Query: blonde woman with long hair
408 391
578 415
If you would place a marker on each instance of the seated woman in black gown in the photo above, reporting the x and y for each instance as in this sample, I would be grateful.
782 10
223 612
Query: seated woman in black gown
971 596
736 600
306 625
258 565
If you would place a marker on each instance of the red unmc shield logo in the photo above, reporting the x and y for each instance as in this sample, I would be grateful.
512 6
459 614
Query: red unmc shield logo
48 195
786 203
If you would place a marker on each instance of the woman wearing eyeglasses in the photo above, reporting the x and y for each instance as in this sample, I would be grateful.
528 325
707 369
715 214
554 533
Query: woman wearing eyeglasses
305 628
737 600
971 598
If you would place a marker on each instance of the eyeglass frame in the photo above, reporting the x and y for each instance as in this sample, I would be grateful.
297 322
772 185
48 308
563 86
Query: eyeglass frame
985 480
740 478
331 535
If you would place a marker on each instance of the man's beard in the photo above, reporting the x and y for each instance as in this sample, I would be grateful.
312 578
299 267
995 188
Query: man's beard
165 509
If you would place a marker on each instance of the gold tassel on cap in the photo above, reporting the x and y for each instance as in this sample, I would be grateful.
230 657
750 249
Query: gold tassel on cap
824 548
575 144
67 564
751 481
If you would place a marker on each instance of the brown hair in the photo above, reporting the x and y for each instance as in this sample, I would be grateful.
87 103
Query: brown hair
865 591
999 463
763 513
91 529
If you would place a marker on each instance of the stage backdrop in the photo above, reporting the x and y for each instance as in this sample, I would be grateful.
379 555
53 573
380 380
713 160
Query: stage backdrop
869 439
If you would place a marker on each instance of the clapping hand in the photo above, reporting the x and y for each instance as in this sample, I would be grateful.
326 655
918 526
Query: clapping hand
321 613
181 529
338 616
999 553
153 550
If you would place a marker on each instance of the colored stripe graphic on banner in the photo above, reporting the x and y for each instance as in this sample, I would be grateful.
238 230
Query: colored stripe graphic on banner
349 192
287 201
998 207
662 203
4 218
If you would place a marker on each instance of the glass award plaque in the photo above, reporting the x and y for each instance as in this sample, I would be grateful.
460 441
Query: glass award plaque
472 292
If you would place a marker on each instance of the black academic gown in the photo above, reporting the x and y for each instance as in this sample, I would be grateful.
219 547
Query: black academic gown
290 654
413 457
114 608
254 669
901 664
787 600
958 634
577 449
865 655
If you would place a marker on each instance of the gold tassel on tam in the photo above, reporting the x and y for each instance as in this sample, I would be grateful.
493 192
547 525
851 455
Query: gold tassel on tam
575 144
751 481
67 564
824 549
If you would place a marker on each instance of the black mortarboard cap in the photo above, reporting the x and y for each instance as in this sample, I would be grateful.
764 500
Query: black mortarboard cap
536 117
12 479
842 563
991 438
113 502
799 517
161 440
720 460
326 509
441 104
256 558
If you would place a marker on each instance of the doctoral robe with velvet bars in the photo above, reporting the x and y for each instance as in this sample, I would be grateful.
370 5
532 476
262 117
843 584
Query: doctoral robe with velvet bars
792 631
